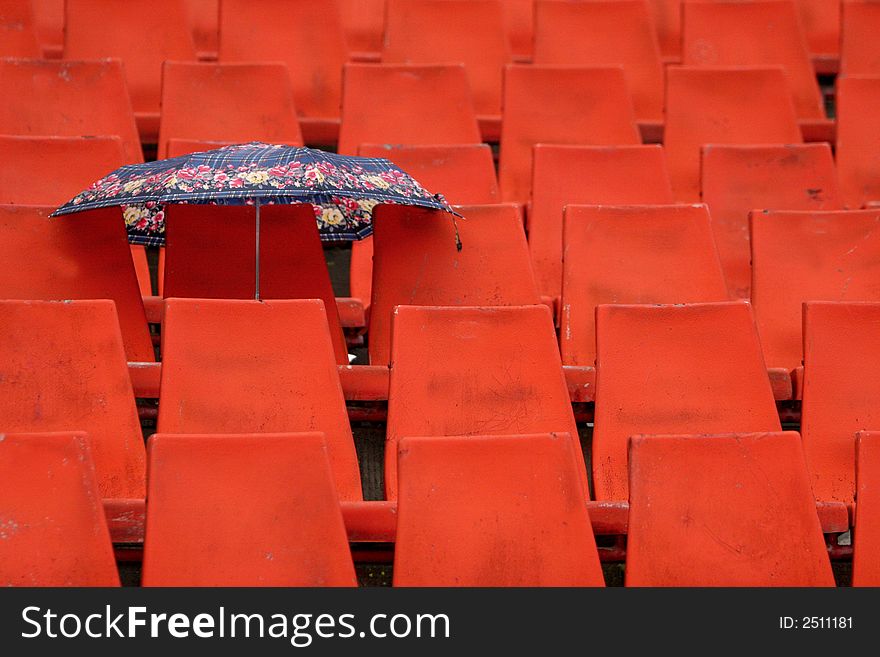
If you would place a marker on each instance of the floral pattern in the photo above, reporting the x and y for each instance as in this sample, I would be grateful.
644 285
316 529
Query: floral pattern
342 189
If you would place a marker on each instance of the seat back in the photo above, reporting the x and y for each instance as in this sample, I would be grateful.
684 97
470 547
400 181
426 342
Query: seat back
416 263
69 99
858 140
291 258
80 256
499 374
683 369
264 505
592 175
723 510
706 105
443 31
866 548
205 102
18 36
52 170
49 19
635 255
808 256
598 33
64 370
589 106
306 35
739 179
141 35
271 370
493 511
859 54
56 538
463 173
841 392
821 20
756 33
418 104
364 23
204 22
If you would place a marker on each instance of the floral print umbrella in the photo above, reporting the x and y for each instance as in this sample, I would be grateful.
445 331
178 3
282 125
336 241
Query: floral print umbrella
342 189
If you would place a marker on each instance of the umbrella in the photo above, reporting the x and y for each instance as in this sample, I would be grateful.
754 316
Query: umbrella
343 189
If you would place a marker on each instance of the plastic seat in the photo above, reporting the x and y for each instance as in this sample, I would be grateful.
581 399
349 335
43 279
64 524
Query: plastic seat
463 173
866 564
82 256
142 35
270 369
49 20
707 105
204 21
723 510
68 99
291 258
57 539
448 31
64 370
206 102
821 20
416 263
689 369
604 34
244 510
419 104
859 54
499 374
667 22
493 511
364 23
519 21
18 36
808 256
589 106
754 33
739 179
307 36
636 255
593 175
858 140
841 392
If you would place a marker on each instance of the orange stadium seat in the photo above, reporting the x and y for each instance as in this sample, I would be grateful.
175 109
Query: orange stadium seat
177 147
667 22
808 256
525 488
592 175
698 369
557 105
307 36
18 36
644 254
49 20
419 104
65 370
463 173
722 106
204 102
142 36
600 33
41 171
53 528
737 508
81 256
499 374
444 31
858 140
244 510
204 21
519 21
866 552
821 21
291 258
755 33
364 24
416 263
68 99
739 179
841 391
271 369
859 52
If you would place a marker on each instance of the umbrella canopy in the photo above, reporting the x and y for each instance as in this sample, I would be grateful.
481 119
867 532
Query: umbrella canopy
343 189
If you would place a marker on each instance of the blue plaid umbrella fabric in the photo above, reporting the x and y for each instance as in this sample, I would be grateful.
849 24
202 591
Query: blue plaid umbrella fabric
342 189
